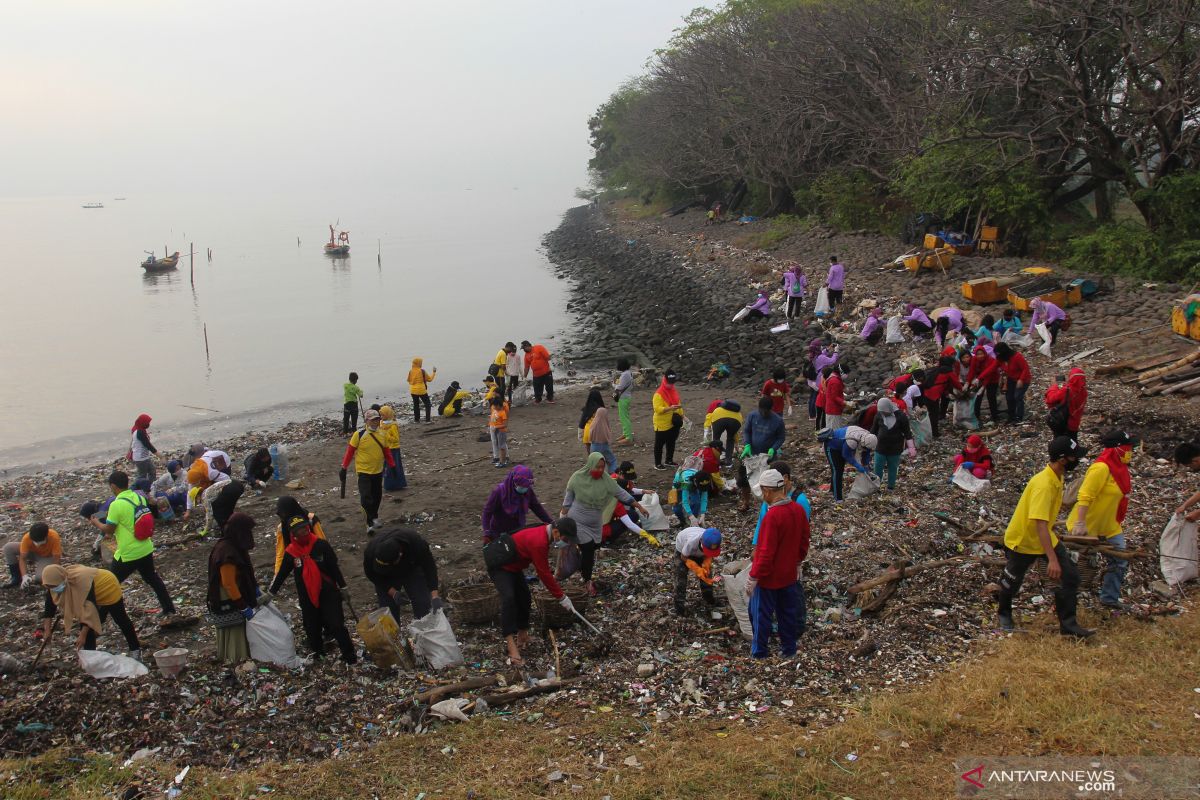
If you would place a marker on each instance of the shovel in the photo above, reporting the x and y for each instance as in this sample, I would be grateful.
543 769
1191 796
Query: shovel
595 630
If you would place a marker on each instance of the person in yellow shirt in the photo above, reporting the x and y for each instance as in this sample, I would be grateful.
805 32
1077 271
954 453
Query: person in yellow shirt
667 420
723 424
369 452
88 596
418 388
292 516
499 366
1029 537
1100 509
393 477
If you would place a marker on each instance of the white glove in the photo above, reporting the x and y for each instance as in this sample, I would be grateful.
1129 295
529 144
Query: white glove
1080 528
579 434
700 520
566 603
27 581
693 521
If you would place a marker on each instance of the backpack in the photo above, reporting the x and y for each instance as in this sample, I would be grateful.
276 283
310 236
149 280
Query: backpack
1060 414
143 520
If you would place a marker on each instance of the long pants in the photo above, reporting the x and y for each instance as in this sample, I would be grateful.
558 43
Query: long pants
121 617
753 315
328 617
812 403
989 390
1017 564
937 410
874 336
349 417
782 608
919 328
144 567
587 561
412 582
835 298
543 383
418 401
145 469
837 465
892 462
724 432
1114 572
514 600
393 477
1054 328
793 306
370 494
626 421
610 458
664 442
33 562
499 441
681 582
835 421
1014 398
683 510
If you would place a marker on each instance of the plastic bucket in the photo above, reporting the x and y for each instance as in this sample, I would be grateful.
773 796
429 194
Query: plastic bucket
171 660
279 461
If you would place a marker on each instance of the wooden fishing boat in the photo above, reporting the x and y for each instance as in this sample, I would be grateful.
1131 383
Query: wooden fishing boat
164 264
93 205
339 245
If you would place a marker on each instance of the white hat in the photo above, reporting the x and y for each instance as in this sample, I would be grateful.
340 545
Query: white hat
771 478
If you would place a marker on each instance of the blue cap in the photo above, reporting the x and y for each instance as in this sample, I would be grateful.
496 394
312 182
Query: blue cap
710 542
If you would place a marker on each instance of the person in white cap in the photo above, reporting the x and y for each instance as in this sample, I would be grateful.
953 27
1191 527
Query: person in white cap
774 589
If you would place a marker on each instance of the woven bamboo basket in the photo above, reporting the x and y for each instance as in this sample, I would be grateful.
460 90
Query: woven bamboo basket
475 604
555 616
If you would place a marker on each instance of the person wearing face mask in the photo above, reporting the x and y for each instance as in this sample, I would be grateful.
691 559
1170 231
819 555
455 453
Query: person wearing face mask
287 509
369 451
509 502
590 499
667 420
89 596
320 587
232 589
1029 537
531 546
1101 507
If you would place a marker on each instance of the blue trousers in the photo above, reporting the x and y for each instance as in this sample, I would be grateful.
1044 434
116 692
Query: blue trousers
1114 574
782 608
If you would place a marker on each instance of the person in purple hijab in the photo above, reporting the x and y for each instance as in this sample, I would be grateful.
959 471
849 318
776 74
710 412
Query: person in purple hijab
509 502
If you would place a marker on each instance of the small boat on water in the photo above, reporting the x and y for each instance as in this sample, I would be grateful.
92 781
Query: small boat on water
93 205
164 264
339 245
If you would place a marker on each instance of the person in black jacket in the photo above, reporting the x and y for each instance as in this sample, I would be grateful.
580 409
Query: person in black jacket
319 586
894 433
399 559
259 469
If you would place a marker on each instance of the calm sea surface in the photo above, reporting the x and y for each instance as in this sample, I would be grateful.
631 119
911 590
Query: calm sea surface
89 341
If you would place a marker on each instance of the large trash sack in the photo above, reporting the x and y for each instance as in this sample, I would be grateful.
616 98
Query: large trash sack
1178 551
100 664
270 637
734 576
1044 332
963 479
655 519
381 635
821 309
894 334
755 466
865 485
569 561
922 428
964 413
434 642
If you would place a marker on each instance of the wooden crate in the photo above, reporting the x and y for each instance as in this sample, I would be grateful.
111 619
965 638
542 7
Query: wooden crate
982 291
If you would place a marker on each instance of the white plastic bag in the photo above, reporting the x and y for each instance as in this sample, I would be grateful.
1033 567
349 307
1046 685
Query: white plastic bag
755 466
733 577
894 334
434 642
821 308
922 428
963 479
1044 332
741 315
865 485
1178 551
654 519
270 637
100 664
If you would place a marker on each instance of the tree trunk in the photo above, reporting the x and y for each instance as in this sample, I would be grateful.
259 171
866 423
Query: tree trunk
1104 204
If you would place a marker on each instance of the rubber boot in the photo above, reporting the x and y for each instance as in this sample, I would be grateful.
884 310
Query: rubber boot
1007 623
1071 627
14 577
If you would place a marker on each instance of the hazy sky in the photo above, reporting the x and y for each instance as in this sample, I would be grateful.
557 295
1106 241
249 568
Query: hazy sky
125 96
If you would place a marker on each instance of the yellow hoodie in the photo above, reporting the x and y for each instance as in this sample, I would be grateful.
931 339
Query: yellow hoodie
389 426
418 378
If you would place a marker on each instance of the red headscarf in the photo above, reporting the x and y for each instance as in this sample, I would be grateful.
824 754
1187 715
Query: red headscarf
310 573
141 423
1077 385
1111 457
668 392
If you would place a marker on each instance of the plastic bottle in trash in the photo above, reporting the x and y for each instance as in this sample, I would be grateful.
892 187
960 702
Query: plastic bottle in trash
279 461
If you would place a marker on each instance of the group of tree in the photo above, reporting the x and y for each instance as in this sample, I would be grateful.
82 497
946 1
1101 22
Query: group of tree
1018 112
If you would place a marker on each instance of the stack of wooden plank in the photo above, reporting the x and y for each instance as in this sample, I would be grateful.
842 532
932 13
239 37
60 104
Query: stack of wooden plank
1166 373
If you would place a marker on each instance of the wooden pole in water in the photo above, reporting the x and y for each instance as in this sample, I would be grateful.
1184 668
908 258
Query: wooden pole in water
206 341
379 255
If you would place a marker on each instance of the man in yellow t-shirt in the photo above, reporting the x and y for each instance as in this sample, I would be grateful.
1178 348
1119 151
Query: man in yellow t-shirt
369 452
1029 537
499 367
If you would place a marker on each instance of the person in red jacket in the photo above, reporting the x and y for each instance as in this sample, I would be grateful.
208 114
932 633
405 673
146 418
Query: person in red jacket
1017 377
778 389
774 588
834 397
984 373
533 547
935 393
1073 396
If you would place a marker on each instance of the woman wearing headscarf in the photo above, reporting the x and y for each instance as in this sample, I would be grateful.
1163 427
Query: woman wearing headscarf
812 376
623 395
918 321
600 433
795 286
89 596
509 502
872 329
418 388
975 457
849 445
140 448
231 587
935 391
1067 403
893 435
225 503
590 500
452 400
288 509
593 401
1101 508
667 420
319 587
209 469
759 309
393 476
259 469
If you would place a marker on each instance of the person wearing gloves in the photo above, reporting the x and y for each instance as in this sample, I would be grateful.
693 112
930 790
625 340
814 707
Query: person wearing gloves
893 434
210 468
774 588
975 458
793 492
1101 507
723 424
710 462
319 587
692 486
835 282
258 468
849 445
759 309
950 320
872 329
37 549
288 509
537 362
764 431
626 517
1050 314
623 396
1029 537
590 499
1067 402
141 451
531 547
418 388
695 549
984 373
452 400
834 396
172 486
89 596
400 560
509 502
1017 377
370 454
918 321
937 388
795 287
667 420
232 588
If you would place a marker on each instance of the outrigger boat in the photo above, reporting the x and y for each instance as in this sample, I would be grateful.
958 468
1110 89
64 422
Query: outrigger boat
339 246
93 205
164 264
